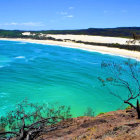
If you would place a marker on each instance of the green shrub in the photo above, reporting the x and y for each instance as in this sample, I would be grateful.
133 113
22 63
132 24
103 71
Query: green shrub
129 107
101 113
89 112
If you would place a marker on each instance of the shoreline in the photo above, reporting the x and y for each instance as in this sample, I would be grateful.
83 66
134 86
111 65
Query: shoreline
91 48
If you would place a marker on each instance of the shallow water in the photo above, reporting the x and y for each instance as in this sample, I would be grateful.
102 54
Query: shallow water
49 74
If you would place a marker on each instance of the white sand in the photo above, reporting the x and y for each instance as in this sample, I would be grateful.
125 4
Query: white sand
101 49
89 38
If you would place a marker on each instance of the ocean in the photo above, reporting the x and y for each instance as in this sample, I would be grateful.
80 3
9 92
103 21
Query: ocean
53 74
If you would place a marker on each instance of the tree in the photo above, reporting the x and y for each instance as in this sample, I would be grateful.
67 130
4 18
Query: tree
89 112
28 120
125 75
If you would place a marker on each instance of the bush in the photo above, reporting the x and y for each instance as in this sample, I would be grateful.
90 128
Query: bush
30 119
89 112
101 113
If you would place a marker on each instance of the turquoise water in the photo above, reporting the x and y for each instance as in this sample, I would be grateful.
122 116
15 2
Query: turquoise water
50 74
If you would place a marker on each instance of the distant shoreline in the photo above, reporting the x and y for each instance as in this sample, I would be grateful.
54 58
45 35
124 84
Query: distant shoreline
93 48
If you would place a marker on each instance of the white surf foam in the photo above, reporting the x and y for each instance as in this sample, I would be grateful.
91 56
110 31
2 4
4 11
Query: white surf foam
20 57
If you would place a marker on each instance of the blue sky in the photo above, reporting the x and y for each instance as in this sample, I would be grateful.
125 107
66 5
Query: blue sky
68 14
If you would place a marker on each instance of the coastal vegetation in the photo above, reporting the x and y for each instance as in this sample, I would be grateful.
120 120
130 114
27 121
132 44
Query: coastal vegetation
116 45
131 82
112 125
42 35
89 112
27 120
113 32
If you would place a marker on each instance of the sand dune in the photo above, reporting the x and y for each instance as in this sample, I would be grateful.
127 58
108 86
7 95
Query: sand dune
97 39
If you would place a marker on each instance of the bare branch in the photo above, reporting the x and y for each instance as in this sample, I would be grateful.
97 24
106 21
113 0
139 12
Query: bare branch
127 102
117 71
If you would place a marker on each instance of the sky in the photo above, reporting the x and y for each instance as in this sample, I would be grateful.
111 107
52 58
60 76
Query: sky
68 14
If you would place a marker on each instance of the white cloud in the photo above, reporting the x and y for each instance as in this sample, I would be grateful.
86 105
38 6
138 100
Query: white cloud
65 14
23 24
69 16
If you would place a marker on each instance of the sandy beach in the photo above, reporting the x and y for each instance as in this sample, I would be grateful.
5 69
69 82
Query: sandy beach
94 48
90 38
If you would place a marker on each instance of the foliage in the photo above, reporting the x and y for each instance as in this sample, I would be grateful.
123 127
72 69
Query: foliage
89 112
129 107
29 116
125 75
116 45
101 113
115 32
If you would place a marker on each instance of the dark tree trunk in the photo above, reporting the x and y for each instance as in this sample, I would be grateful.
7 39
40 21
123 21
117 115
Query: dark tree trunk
138 109
22 135
22 131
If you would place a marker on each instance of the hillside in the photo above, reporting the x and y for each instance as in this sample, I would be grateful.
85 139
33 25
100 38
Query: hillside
114 32
117 125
